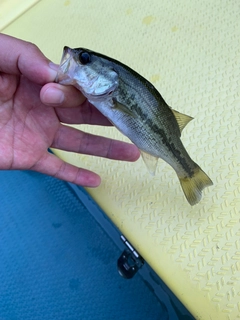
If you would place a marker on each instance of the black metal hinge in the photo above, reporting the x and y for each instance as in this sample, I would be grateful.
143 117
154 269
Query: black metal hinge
130 261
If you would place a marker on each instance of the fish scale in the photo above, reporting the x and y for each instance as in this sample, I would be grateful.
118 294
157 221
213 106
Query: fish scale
138 110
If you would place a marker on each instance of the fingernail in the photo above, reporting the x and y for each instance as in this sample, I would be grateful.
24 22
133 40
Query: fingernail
53 70
53 66
53 96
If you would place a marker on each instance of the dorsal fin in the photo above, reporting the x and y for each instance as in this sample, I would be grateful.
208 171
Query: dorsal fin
182 119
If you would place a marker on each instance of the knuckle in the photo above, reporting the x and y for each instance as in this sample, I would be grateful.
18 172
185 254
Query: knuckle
31 47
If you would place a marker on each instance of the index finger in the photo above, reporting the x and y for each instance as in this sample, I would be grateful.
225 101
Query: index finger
19 57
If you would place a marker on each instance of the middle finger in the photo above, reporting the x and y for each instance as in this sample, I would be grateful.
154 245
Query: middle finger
71 139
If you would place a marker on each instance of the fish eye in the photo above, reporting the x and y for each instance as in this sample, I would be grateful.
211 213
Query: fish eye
84 57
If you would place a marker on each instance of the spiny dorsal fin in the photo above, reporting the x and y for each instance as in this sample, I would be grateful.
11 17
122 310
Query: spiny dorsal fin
182 119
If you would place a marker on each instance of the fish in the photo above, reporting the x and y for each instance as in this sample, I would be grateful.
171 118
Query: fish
137 109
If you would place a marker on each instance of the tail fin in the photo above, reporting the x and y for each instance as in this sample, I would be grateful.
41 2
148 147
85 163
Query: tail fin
192 187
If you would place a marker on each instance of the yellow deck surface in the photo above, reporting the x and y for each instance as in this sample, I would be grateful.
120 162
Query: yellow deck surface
12 9
190 50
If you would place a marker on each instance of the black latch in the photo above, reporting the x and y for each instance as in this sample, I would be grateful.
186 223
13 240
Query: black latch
130 261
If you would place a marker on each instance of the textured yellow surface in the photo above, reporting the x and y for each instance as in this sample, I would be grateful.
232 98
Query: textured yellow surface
12 9
190 50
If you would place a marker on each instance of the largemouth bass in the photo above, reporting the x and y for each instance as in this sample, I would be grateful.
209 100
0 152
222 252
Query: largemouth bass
138 110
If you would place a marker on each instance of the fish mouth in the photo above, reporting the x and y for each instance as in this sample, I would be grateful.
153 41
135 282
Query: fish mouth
66 75
64 67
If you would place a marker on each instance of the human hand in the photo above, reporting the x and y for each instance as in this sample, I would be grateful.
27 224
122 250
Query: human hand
33 110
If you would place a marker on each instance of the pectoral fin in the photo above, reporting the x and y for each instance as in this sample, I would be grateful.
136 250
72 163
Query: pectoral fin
150 161
182 119
121 107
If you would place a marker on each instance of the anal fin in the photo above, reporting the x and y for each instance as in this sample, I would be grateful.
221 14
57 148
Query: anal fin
150 162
